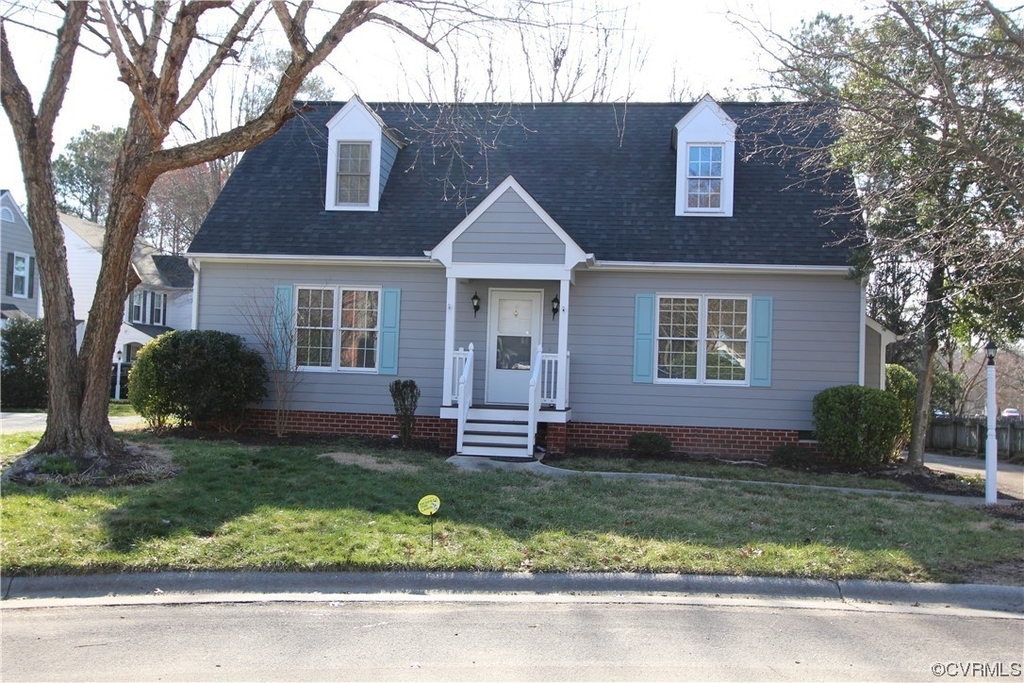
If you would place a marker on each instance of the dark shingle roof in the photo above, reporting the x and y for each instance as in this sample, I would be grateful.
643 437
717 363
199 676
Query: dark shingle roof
174 270
604 172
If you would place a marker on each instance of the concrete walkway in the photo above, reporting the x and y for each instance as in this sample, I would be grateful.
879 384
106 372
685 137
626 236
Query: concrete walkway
11 423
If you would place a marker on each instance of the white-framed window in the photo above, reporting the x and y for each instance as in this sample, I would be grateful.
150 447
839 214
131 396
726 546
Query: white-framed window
353 181
158 308
147 307
337 328
137 306
703 339
704 177
20 276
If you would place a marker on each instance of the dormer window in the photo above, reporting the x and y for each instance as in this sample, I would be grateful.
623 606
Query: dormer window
705 142
353 173
704 177
360 153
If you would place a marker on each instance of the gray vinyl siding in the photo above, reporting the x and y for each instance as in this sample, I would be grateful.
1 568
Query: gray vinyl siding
17 237
814 346
873 358
224 288
508 232
388 151
815 341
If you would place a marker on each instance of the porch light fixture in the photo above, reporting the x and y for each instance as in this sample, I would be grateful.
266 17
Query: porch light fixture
990 353
476 304
555 303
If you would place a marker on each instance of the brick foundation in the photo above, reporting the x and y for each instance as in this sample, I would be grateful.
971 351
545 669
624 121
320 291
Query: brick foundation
356 424
556 438
724 442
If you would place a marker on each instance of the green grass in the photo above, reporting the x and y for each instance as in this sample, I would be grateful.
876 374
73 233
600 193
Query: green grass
121 409
714 470
236 507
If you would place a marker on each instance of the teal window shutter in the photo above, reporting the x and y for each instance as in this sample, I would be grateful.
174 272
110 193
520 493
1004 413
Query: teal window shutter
643 338
283 324
761 342
390 307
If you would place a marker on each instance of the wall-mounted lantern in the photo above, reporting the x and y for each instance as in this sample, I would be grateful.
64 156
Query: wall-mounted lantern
476 304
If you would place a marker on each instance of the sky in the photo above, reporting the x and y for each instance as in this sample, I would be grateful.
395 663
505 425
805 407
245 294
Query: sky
690 42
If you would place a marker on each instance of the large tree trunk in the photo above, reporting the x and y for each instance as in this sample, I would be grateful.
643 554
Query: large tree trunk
929 347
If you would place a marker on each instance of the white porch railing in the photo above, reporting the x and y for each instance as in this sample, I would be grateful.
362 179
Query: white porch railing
549 389
535 395
465 394
458 365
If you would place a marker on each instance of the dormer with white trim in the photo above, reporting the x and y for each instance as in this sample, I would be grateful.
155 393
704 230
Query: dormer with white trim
360 153
705 143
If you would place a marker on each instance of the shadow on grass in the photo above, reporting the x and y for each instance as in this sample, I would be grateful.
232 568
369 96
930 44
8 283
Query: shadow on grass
236 506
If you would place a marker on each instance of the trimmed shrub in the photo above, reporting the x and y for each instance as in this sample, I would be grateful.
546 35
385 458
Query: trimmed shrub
202 377
406 396
23 364
857 426
649 445
902 384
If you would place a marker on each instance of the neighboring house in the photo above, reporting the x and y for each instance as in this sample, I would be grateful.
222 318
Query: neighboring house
21 294
570 274
161 301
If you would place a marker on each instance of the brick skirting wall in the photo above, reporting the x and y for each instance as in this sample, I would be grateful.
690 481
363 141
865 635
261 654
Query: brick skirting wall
357 424
556 438
721 441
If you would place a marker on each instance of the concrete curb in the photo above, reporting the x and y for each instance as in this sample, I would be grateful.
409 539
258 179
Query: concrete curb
226 586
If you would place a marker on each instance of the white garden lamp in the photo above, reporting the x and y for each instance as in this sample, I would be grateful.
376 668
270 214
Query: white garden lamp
990 414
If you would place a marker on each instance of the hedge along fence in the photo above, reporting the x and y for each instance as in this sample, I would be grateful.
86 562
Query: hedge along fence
963 435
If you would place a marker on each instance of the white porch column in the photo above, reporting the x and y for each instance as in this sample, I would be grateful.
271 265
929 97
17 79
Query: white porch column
449 342
563 345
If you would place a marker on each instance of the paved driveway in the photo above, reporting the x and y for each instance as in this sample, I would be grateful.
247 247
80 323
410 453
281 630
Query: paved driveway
36 422
1010 478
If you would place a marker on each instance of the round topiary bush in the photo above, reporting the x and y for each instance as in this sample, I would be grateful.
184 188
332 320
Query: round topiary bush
202 377
857 426
649 445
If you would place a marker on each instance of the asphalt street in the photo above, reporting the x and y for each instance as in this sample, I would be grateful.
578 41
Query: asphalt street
517 634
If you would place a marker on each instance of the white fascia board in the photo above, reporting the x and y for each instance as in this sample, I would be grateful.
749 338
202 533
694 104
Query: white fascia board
573 253
312 260
509 271
655 266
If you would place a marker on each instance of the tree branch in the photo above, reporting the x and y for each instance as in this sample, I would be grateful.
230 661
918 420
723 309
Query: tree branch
224 50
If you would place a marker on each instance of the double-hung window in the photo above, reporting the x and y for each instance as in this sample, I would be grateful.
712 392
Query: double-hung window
337 327
703 339
704 177
353 185
20 278
137 307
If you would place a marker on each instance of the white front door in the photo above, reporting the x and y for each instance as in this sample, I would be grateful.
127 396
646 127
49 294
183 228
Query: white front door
514 318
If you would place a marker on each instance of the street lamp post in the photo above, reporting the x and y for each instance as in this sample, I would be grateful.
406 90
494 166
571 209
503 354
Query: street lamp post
117 385
991 444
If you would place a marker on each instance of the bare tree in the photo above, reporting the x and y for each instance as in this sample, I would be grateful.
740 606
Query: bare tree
273 333
151 46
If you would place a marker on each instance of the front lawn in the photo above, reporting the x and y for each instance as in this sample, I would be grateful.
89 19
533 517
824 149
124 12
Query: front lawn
339 506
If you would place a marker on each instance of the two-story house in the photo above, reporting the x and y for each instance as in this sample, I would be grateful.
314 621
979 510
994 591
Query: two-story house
161 301
21 295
